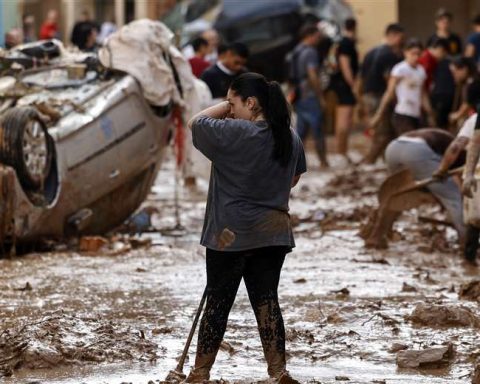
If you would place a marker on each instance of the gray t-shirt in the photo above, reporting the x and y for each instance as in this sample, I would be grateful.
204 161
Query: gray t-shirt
249 190
306 57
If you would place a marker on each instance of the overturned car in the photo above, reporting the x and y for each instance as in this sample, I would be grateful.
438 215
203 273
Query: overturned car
81 139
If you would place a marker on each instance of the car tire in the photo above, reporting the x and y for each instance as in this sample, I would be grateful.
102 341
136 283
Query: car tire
26 146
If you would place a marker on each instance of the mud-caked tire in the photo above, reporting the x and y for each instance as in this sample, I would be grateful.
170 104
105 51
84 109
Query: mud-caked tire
26 146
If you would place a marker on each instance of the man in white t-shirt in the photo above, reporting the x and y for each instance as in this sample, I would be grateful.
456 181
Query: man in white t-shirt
406 83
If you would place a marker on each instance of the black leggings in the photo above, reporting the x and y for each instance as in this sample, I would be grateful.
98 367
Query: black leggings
260 268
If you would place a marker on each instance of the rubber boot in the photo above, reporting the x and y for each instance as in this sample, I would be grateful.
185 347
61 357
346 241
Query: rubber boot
285 378
471 244
201 371
276 363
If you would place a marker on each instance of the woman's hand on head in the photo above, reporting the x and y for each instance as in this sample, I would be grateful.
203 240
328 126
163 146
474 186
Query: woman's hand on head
218 111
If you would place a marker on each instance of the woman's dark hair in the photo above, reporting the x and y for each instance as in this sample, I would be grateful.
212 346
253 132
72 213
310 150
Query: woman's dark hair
274 107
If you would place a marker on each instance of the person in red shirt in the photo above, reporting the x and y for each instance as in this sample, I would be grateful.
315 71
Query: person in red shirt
430 58
198 62
49 28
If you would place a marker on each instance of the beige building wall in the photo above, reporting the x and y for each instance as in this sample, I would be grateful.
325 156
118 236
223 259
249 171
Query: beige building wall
372 17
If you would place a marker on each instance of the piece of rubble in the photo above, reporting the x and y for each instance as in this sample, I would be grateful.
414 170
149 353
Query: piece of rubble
300 281
397 347
92 243
227 347
408 288
444 315
27 287
470 291
341 292
429 357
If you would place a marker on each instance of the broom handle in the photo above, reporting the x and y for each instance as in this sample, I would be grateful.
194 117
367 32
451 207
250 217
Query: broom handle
181 362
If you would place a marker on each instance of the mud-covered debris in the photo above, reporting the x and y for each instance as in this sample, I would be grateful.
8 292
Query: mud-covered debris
341 292
371 261
470 291
426 358
305 335
162 331
27 287
136 242
476 372
227 347
335 318
355 181
397 347
444 315
408 288
68 340
92 243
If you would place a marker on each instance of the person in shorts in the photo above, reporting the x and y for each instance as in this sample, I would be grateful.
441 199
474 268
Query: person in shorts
343 83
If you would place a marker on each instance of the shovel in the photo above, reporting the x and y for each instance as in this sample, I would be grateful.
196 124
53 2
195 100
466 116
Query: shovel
177 375
402 182
398 193
396 199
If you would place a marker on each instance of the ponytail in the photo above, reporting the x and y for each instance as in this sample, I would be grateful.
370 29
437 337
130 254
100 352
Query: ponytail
278 118
275 109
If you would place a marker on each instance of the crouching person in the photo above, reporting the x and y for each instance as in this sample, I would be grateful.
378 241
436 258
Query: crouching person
421 152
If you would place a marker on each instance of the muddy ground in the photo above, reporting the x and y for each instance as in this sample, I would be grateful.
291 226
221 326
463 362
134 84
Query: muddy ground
121 315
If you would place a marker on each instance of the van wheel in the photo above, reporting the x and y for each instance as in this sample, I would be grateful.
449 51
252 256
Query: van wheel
26 146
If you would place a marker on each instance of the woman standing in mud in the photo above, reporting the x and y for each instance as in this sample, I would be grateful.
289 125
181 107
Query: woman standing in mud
256 160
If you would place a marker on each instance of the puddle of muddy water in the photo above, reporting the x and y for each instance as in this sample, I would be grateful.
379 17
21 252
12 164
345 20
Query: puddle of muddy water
344 306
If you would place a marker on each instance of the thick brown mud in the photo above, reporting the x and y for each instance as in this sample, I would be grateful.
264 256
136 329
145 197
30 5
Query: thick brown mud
122 316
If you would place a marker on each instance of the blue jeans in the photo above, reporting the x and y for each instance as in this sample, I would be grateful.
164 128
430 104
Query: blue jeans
309 115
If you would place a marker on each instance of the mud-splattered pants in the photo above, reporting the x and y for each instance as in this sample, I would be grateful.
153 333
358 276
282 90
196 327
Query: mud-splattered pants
260 268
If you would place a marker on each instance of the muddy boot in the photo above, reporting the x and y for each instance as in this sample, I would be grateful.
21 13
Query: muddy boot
197 376
285 378
201 371
276 363
471 244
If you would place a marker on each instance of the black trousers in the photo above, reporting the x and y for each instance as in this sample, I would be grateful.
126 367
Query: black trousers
260 268
404 123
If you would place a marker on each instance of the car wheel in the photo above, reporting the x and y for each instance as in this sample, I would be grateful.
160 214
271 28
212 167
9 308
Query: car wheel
26 146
